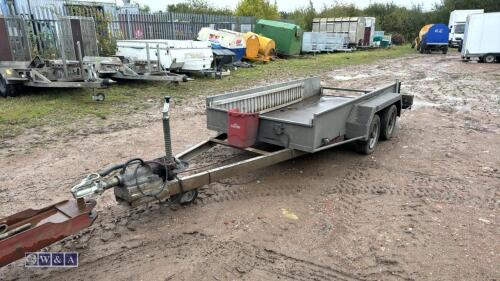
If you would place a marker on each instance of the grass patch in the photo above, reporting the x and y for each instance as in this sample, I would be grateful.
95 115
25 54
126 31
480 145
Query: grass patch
59 107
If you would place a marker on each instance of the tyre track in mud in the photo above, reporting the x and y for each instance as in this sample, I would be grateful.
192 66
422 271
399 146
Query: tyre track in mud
362 180
232 192
290 267
238 258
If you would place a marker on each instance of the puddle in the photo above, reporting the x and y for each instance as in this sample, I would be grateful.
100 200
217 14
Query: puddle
421 103
347 78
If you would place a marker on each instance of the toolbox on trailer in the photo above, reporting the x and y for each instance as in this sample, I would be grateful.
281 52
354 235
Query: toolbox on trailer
242 128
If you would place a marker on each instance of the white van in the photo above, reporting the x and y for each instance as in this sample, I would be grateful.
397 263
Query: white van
457 25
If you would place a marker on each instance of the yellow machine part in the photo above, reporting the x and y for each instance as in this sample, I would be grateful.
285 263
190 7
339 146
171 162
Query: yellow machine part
252 43
424 30
267 46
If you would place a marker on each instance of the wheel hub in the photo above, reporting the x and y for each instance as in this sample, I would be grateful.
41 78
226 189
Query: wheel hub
373 136
187 196
392 123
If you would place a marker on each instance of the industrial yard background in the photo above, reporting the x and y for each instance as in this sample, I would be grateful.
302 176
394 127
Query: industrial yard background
120 24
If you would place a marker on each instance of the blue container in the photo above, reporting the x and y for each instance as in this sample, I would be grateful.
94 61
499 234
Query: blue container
436 35
239 53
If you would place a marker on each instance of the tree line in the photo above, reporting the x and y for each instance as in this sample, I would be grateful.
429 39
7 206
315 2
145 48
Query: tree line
391 18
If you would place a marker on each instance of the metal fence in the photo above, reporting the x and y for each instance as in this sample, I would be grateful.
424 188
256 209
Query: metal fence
177 26
43 28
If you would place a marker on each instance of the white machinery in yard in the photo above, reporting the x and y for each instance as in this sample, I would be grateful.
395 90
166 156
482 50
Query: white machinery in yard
482 38
19 68
178 55
457 25
81 31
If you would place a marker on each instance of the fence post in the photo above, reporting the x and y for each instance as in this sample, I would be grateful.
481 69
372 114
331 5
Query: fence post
174 36
129 27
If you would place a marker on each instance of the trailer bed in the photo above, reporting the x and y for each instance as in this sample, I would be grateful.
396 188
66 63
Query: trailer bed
303 115
304 111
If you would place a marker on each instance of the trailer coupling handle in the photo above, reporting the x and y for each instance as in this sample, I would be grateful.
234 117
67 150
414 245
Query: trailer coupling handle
92 184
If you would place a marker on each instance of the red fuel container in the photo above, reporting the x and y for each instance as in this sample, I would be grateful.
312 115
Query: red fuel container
242 128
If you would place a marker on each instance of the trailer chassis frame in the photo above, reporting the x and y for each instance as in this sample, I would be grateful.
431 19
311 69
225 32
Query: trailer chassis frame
263 158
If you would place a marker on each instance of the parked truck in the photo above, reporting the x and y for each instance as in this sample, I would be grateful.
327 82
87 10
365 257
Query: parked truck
482 38
457 25
432 37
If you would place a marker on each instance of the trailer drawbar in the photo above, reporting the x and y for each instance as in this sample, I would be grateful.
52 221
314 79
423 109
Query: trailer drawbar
273 124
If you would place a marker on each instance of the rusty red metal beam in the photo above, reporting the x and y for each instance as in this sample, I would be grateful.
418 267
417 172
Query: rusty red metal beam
32 230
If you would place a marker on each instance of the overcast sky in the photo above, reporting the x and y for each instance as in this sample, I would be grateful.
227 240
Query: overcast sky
289 5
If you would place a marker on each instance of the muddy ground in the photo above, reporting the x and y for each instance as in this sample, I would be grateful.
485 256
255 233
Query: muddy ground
424 206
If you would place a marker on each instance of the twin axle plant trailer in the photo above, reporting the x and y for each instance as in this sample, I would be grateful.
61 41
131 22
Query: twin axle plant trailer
79 66
272 124
19 68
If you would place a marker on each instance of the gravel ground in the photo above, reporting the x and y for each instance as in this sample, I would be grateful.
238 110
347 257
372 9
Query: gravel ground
424 206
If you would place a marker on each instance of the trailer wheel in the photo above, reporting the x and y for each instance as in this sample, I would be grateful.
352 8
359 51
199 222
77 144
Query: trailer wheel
445 50
6 90
388 122
185 198
489 58
98 97
368 146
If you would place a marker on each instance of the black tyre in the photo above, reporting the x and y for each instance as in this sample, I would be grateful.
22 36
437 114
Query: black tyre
388 122
445 50
489 59
422 48
368 146
6 90
99 97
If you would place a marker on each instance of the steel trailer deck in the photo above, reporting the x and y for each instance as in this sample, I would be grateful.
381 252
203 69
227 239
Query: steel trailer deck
303 115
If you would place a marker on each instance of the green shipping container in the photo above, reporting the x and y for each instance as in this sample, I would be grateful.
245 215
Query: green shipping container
287 36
